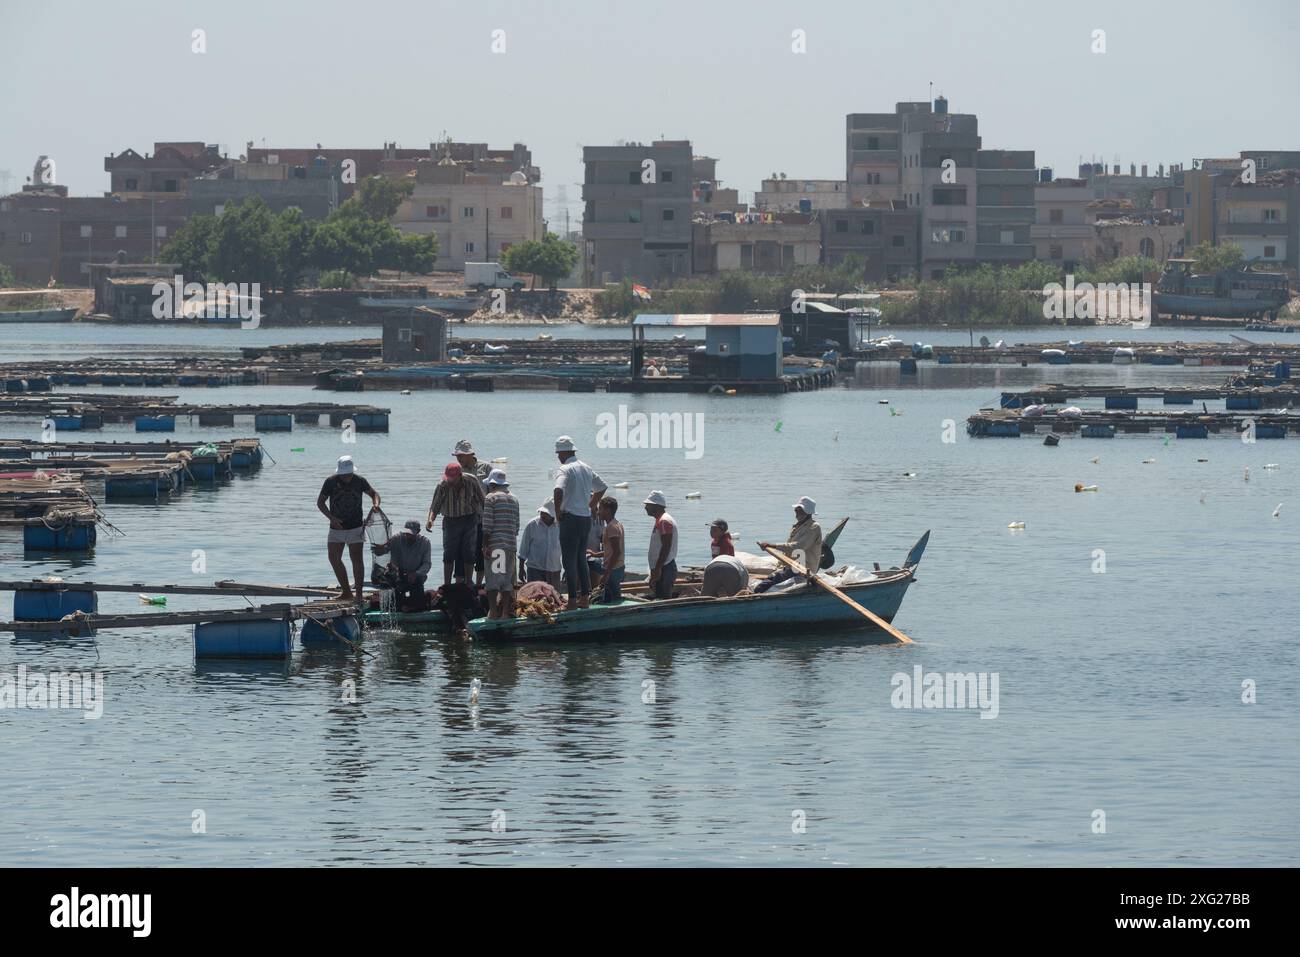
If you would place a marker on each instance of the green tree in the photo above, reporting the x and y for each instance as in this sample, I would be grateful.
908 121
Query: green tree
551 259
242 246
378 197
7 277
189 245
417 254
1211 258
292 237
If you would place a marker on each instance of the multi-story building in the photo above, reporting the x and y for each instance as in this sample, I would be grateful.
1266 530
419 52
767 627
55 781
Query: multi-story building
477 216
475 157
885 236
938 156
708 196
637 220
1261 217
168 170
873 161
1062 233
314 188
770 242
801 195
44 233
1004 212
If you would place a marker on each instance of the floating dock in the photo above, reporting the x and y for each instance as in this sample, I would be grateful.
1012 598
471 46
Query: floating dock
1128 397
82 412
1010 423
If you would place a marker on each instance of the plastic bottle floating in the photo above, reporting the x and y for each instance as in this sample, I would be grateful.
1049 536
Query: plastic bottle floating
1016 525
1148 461
406 392
910 474
1096 459
1202 460
882 402
1277 512
1080 487
894 411
500 461
153 599
298 450
1247 476
693 494
1271 465
620 485
474 687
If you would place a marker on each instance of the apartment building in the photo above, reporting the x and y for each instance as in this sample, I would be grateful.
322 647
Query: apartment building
1005 212
1062 232
938 156
167 170
637 212
476 216
1260 217
885 236
314 188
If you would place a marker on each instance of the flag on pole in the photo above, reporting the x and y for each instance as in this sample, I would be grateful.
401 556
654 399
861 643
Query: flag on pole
641 292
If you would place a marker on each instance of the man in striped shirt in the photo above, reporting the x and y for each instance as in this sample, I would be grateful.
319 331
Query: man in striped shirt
500 532
459 500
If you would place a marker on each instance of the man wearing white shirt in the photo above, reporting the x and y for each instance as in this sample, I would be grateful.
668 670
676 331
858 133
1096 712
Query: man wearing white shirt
539 548
577 490
663 546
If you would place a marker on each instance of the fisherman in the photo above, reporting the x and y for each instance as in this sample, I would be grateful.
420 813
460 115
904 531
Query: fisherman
663 546
804 545
340 502
459 500
610 580
409 567
539 548
500 533
720 539
577 490
470 465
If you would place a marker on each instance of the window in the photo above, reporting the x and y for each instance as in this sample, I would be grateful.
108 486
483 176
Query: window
873 179
25 238
87 232
1006 237
469 247
119 232
868 227
467 212
1055 252
666 176
160 232
634 177
170 186
1056 216
873 142
634 214
1147 248
1270 252
949 197
899 240
668 215
507 212
403 335
841 226
1187 200
130 185
1269 216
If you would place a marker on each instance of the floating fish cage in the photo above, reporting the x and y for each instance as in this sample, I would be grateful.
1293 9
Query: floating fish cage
48 604
155 423
1121 402
149 485
1097 431
1192 432
71 537
273 422
316 634
264 638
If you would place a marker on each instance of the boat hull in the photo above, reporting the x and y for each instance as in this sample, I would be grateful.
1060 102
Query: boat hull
38 315
800 610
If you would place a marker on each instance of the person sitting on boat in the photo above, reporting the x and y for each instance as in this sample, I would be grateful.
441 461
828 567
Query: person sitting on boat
407 570
663 546
720 539
804 545
340 501
500 534
610 580
459 499
539 548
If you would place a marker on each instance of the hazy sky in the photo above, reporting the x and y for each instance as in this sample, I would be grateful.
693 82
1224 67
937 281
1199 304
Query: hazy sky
1178 79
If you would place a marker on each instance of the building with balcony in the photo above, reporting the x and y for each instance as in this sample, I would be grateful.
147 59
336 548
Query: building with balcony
1062 232
938 153
637 211
1261 217
764 242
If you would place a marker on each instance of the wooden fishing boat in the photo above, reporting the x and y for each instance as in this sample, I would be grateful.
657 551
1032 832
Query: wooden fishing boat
802 609
38 315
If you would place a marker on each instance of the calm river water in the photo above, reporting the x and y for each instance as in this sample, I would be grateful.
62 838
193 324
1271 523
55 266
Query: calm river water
1120 689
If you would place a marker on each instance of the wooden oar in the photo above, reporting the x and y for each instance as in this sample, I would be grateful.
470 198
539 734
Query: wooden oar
875 619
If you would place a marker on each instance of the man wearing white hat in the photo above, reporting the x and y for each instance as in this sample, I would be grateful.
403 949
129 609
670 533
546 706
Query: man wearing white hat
577 490
539 548
663 546
804 544
340 502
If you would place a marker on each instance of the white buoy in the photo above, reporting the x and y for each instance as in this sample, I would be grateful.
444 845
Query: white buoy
1096 459
474 687
1277 512
1016 525
693 494
620 485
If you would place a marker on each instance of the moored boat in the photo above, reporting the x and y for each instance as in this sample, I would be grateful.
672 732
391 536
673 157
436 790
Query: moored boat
38 315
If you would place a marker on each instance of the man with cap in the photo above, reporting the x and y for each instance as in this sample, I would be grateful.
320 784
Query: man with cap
804 544
539 548
340 501
459 500
720 539
663 546
470 465
500 533
412 557
577 490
